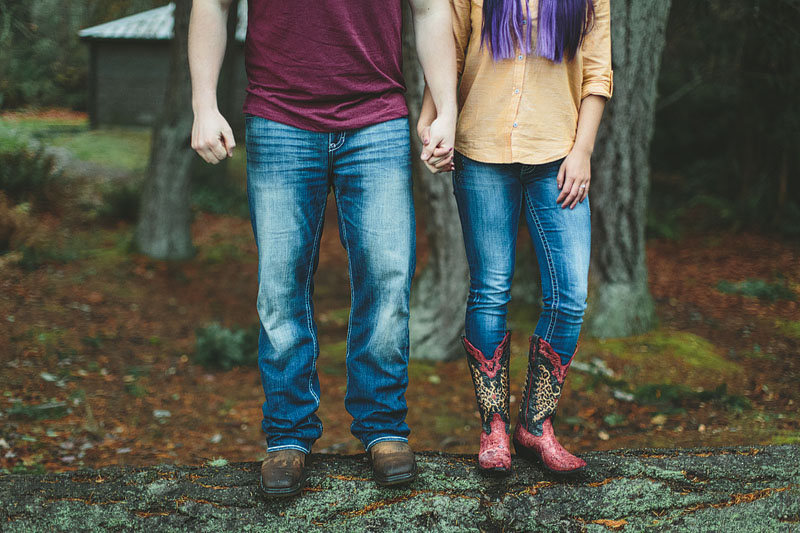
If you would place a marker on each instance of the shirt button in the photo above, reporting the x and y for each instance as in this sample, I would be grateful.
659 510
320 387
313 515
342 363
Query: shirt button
516 91
515 124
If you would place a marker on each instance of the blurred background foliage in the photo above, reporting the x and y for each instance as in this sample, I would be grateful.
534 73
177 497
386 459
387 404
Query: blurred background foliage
725 149
43 61
725 152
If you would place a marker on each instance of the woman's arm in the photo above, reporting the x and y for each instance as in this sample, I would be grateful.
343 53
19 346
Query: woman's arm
597 87
575 172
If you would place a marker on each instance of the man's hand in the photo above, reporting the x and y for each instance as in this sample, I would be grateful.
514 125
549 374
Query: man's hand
212 137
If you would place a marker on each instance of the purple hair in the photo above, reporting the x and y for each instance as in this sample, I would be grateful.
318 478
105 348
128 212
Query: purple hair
562 26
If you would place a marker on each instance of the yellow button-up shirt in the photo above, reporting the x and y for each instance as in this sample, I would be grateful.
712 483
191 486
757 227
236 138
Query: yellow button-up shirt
525 109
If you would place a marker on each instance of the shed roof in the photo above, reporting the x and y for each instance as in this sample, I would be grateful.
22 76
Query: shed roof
154 24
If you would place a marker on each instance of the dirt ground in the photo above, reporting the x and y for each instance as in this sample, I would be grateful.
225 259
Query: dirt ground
97 363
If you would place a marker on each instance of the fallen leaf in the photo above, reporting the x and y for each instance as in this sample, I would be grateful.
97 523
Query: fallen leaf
659 420
611 524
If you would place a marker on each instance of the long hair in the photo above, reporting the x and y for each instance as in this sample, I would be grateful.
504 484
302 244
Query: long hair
561 27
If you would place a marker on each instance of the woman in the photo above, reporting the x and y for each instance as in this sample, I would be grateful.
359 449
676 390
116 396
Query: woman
534 80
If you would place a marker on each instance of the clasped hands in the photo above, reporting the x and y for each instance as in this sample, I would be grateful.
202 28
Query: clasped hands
437 145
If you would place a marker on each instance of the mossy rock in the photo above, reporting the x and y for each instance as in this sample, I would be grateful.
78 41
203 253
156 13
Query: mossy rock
670 357
732 489
790 328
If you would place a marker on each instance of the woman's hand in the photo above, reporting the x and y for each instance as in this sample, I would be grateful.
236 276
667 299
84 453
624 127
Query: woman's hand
574 177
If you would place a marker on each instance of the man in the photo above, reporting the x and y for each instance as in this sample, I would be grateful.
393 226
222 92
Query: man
325 111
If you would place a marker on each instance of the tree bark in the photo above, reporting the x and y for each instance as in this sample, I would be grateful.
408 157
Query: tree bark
735 489
439 295
620 303
164 227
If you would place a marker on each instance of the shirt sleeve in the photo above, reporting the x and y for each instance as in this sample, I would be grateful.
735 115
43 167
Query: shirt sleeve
462 27
598 76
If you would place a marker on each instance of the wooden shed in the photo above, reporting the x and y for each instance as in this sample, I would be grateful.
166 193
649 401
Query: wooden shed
129 65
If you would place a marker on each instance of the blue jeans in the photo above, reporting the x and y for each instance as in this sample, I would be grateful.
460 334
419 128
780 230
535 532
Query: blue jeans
489 198
289 174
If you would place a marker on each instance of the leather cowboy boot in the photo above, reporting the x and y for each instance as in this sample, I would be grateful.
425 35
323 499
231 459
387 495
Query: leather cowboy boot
283 473
393 463
534 437
490 378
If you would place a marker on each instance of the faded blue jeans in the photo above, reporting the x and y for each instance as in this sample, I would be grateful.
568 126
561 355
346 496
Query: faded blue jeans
489 198
289 174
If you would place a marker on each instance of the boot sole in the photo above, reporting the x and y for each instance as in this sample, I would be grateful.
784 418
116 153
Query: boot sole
397 479
495 472
533 457
286 492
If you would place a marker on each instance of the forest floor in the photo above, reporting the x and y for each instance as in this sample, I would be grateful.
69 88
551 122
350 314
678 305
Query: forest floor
98 363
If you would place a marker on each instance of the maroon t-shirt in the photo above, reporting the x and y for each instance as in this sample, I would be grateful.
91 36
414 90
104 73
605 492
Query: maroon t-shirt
325 65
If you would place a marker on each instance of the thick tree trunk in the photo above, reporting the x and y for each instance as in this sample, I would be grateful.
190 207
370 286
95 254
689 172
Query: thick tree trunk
620 303
164 228
741 490
439 295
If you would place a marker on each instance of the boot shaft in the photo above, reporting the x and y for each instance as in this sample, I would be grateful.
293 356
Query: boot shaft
491 381
545 380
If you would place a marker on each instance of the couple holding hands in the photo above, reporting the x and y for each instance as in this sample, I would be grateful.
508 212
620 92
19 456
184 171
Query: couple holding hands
514 96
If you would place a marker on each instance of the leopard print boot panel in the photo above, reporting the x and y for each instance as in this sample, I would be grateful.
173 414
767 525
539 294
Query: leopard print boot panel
490 377
546 377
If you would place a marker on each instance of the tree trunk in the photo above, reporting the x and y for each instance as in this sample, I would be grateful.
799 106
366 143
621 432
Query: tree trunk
620 303
164 228
734 489
439 296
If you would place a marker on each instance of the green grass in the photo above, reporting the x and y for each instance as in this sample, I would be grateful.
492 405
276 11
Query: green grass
126 148
790 438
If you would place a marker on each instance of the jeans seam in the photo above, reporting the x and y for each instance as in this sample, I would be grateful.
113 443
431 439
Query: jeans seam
386 438
343 229
550 267
309 318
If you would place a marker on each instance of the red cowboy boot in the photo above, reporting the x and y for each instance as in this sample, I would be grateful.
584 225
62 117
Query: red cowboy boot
533 436
490 377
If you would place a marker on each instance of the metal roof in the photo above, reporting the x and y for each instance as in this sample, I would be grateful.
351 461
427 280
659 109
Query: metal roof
154 24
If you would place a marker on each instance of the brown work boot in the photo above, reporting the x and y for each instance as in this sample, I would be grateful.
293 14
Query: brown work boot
283 473
393 463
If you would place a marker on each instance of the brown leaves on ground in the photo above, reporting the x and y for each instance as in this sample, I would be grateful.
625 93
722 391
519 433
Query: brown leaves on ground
107 341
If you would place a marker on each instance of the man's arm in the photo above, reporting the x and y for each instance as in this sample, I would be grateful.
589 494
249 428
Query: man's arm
436 51
212 136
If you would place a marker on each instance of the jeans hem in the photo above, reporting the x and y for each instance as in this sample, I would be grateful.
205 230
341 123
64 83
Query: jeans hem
288 447
386 438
